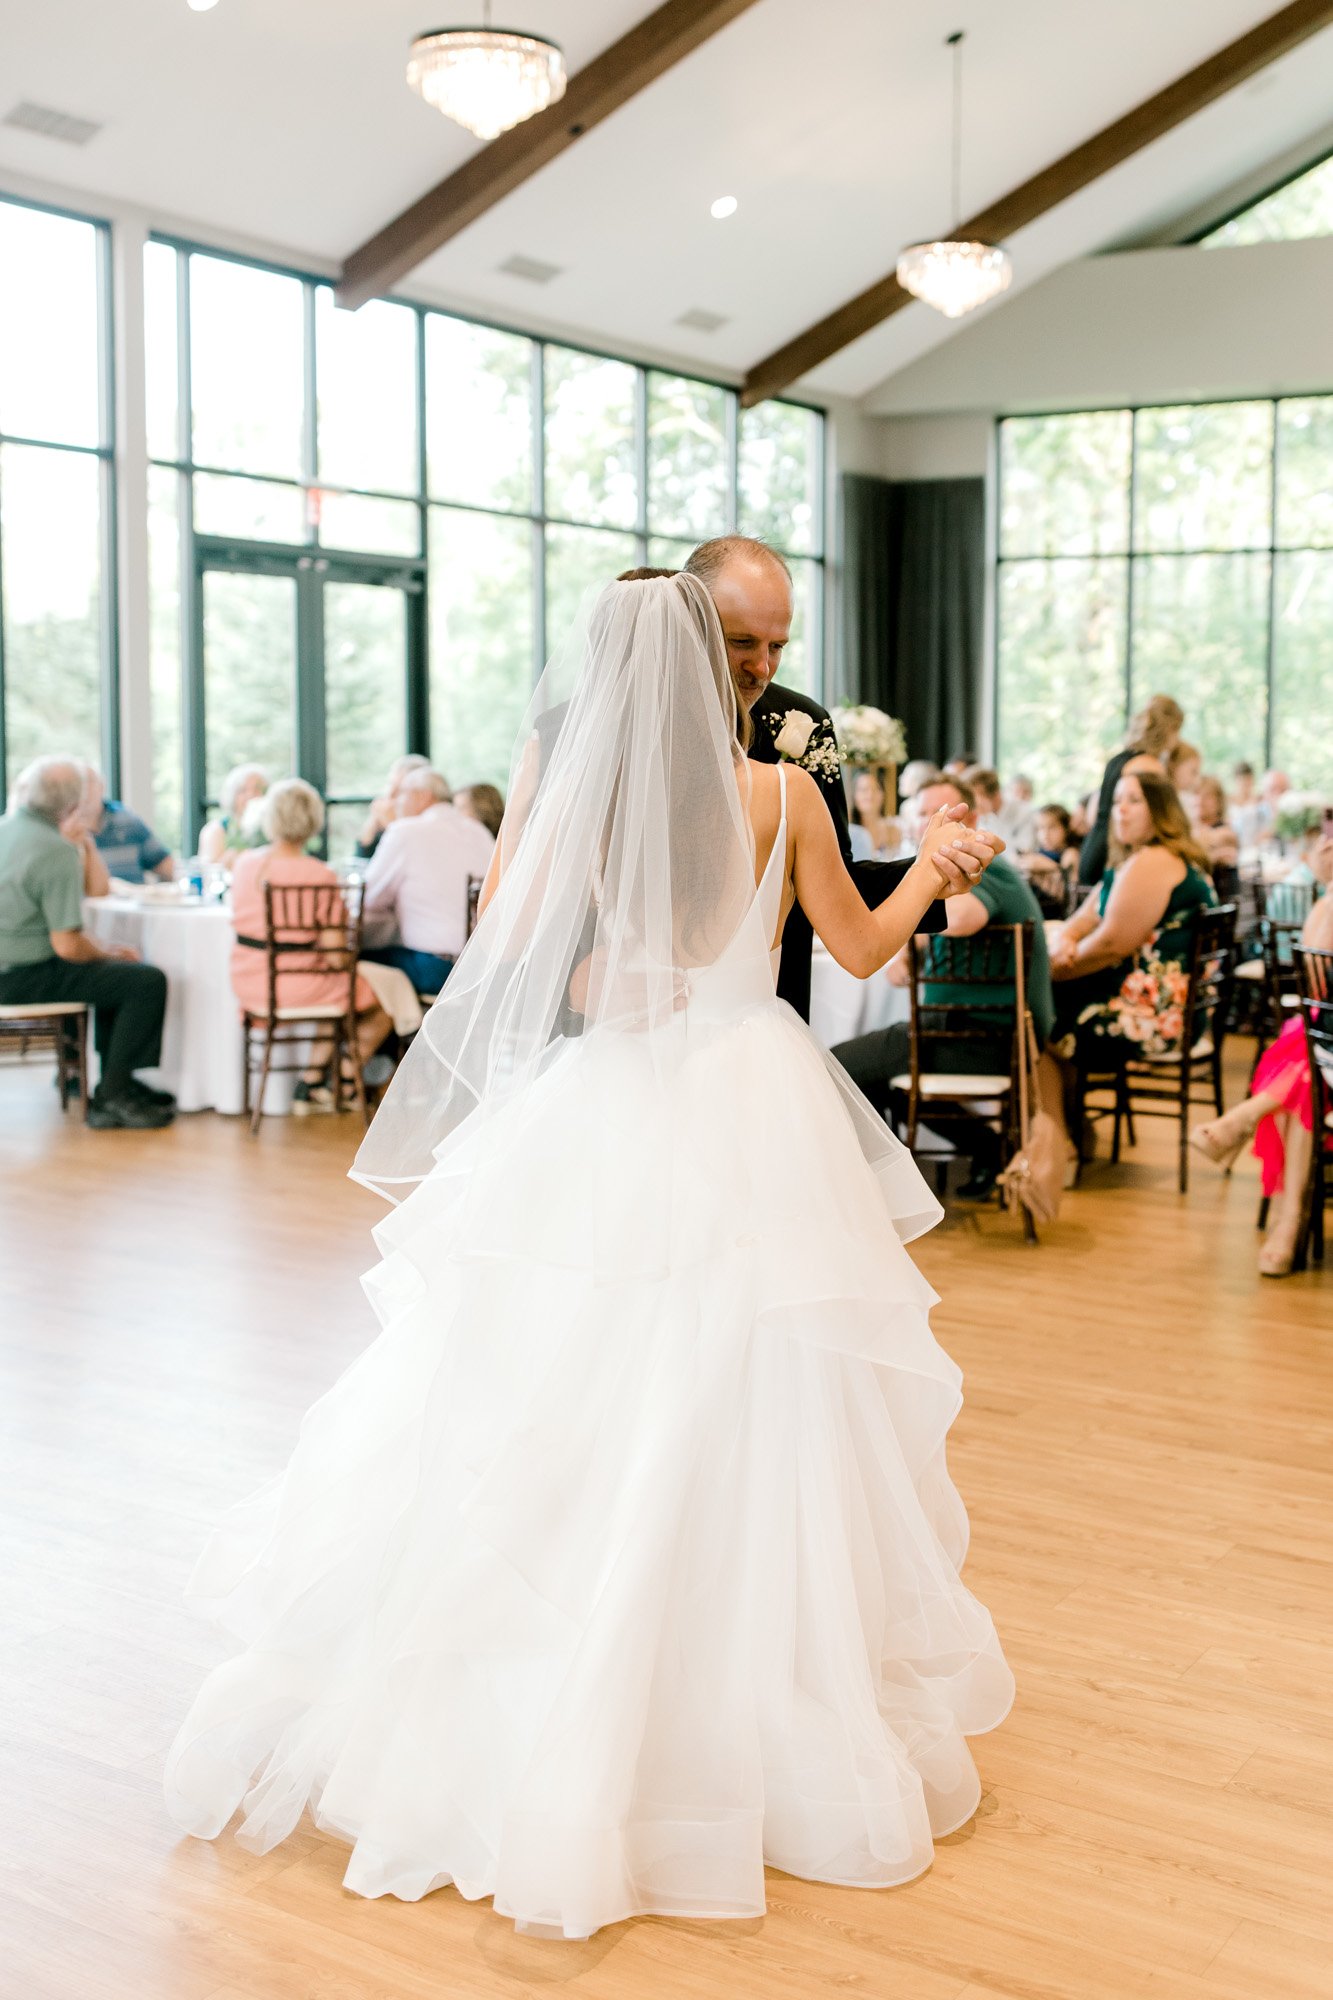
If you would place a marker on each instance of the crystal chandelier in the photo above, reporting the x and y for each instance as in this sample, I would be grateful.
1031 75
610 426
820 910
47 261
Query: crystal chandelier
486 78
955 274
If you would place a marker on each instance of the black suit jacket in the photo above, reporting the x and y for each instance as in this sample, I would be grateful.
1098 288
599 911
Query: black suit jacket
875 880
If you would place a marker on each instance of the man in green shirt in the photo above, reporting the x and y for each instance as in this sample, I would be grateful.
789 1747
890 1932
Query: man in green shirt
1002 896
45 954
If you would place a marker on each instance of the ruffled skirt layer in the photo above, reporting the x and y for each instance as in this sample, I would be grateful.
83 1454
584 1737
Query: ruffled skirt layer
625 1560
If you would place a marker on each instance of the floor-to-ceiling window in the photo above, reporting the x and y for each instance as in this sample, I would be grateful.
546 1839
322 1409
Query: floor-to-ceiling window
367 530
1184 550
57 523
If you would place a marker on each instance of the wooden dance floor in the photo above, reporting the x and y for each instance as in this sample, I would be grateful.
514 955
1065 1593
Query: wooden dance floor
1144 1452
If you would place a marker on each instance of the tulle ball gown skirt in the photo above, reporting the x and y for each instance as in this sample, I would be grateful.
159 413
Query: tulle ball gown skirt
625 1559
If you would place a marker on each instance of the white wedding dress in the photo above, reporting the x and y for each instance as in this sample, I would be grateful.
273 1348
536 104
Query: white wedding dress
625 1560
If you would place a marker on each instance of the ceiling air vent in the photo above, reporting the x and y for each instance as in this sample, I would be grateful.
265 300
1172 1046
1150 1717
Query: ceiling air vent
40 118
700 321
530 268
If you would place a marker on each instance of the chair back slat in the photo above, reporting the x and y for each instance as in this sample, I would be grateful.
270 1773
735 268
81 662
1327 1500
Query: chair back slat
1212 970
1314 972
311 927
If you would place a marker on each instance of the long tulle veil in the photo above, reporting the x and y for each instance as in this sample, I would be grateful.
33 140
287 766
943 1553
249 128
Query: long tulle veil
628 871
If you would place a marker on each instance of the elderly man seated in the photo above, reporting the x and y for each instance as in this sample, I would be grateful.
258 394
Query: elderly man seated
384 810
129 848
416 893
1000 897
44 954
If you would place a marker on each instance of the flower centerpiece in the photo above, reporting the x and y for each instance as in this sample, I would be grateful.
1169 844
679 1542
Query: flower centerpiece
1300 813
869 736
870 740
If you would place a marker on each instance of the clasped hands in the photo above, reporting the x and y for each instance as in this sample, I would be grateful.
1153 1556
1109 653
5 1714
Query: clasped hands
960 855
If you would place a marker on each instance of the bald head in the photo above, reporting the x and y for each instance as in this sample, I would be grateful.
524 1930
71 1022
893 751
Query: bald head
750 586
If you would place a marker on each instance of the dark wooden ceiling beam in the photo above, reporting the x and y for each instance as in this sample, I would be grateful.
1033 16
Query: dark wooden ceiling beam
1152 119
652 47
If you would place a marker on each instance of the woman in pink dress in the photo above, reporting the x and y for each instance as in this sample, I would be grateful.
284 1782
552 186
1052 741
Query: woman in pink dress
1276 1114
293 814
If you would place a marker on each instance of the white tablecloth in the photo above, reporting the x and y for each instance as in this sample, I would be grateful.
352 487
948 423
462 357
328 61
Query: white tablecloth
202 1056
841 1005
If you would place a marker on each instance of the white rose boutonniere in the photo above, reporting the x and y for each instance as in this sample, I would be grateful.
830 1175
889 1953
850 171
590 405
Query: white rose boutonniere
801 739
795 729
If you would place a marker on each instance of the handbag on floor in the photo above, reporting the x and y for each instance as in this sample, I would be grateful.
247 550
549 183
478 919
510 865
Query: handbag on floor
1035 1177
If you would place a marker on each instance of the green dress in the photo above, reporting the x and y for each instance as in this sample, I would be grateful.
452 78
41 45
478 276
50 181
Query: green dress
1148 1007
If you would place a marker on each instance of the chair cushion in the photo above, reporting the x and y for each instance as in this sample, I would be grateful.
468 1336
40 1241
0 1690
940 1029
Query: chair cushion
936 1083
299 1013
1201 1051
36 1010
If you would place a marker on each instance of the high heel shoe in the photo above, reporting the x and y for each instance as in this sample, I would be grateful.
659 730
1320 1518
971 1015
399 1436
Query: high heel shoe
1220 1139
1277 1252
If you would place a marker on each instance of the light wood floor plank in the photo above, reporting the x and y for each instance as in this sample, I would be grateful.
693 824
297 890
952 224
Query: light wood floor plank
1145 1456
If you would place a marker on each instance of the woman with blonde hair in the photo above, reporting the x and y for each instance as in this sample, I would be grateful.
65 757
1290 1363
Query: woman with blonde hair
293 813
1154 732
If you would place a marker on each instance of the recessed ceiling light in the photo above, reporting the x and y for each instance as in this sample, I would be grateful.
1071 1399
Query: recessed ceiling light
200 6
725 205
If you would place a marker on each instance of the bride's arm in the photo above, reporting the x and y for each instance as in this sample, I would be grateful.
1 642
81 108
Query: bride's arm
863 940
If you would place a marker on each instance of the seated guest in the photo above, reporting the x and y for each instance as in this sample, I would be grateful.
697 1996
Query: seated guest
885 833
1154 732
1247 814
1217 837
417 883
1052 865
1277 1114
1119 965
74 828
961 763
129 847
292 814
237 824
987 791
485 803
1184 767
1018 815
1275 786
1000 897
46 955
384 810
1289 898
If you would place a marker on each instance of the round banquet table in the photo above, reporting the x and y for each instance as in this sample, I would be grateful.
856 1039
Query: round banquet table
202 1055
843 1006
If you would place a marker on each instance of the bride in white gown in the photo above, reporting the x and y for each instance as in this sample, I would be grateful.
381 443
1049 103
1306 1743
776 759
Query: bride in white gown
625 1559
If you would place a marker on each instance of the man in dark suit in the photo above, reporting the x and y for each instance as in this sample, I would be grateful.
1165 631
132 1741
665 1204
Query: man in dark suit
751 587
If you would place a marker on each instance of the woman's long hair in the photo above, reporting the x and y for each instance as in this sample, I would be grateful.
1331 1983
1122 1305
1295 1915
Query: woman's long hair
1171 824
1157 726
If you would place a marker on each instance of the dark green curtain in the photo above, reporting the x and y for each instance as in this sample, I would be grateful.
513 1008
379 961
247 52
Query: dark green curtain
913 587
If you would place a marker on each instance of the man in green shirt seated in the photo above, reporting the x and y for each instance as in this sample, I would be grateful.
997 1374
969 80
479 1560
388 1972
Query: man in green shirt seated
1002 896
45 955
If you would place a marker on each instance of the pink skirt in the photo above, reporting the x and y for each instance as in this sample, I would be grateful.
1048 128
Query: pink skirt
1283 1073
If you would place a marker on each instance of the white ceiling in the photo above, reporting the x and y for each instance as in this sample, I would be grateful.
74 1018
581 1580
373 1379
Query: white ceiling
290 125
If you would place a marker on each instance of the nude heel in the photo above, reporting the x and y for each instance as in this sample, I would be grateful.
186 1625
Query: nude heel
1221 1139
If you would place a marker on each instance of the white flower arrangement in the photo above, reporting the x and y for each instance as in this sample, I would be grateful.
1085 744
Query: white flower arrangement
796 738
869 736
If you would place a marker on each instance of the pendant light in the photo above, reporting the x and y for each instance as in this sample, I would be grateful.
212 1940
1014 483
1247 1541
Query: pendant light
955 274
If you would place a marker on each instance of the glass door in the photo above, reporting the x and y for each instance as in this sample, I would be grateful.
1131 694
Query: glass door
308 664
